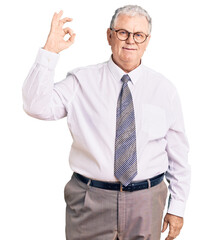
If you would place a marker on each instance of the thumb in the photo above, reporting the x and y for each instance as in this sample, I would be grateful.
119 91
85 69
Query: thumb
165 225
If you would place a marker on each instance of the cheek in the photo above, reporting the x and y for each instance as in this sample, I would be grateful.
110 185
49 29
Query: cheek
141 50
116 48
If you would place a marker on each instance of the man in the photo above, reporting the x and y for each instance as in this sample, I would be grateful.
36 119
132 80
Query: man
127 129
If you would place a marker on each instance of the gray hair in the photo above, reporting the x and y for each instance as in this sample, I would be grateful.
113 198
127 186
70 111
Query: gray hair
131 10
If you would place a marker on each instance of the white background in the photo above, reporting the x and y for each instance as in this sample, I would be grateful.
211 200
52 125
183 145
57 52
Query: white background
34 154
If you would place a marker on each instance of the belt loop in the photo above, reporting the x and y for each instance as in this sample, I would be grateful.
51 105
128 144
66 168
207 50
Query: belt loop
149 183
88 184
121 187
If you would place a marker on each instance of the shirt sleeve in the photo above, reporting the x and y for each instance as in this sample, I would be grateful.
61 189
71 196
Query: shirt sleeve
179 172
42 98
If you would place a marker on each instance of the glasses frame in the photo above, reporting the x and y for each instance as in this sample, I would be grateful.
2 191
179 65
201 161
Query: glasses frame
147 35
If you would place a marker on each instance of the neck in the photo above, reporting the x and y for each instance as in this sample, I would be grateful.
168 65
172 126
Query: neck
126 66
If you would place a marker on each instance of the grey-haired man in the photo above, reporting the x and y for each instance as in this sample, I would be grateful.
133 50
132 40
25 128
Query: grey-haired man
128 132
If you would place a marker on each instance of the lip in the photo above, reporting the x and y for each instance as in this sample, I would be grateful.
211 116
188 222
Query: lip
129 49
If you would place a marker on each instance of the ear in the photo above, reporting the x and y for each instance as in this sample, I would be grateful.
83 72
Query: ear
148 39
109 36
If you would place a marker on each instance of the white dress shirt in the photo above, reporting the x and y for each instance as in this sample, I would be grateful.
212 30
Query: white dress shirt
88 98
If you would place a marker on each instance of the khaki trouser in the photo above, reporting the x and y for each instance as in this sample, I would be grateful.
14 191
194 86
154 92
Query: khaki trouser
98 214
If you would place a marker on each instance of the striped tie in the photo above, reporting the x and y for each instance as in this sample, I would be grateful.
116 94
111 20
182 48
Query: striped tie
125 168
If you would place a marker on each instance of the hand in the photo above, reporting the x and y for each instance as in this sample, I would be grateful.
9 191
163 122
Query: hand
55 41
175 225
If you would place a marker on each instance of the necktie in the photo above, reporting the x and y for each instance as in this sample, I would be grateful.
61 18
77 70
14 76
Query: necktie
125 162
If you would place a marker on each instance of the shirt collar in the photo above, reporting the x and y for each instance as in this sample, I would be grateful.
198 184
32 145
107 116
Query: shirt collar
118 73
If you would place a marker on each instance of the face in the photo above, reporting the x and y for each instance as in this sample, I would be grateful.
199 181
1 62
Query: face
127 54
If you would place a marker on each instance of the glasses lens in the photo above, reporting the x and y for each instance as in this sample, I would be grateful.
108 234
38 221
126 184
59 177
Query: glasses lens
139 37
122 34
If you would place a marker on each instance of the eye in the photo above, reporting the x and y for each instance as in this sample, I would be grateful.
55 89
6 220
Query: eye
139 35
122 32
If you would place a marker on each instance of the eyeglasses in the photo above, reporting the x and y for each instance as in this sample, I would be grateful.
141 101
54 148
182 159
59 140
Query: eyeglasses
123 35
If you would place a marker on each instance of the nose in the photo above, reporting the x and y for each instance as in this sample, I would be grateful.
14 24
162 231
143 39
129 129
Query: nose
130 39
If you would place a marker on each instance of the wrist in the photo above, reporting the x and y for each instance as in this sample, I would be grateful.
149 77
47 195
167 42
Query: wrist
46 47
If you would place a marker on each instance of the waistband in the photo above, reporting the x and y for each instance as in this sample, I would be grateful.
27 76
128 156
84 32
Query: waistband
133 186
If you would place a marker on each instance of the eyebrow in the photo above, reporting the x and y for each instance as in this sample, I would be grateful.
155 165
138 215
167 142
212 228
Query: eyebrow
130 31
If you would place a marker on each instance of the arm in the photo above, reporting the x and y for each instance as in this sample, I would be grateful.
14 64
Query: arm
178 173
40 96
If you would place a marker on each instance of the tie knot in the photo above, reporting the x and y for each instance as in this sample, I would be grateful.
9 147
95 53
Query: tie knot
125 78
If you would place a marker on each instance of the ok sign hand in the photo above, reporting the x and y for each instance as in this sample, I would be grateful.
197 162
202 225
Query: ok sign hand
55 41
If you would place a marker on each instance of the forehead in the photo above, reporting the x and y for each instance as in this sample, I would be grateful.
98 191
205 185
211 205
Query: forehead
132 23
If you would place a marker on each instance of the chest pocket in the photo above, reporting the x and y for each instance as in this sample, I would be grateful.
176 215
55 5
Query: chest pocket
153 121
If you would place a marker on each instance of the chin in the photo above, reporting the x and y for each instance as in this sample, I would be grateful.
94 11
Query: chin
129 59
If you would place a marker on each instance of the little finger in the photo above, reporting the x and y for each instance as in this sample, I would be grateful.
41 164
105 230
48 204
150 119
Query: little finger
64 20
54 22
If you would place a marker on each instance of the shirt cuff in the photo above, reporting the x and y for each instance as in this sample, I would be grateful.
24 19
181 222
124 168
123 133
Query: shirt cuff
47 59
176 207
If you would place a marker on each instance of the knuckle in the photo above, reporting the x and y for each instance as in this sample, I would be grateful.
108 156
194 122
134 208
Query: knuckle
171 236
